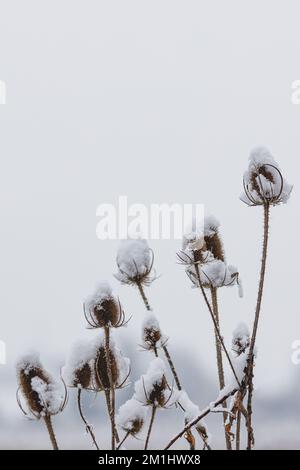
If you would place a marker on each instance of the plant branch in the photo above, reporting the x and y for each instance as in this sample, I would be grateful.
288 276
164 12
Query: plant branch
50 430
215 324
214 298
150 426
202 415
111 391
250 440
88 428
123 440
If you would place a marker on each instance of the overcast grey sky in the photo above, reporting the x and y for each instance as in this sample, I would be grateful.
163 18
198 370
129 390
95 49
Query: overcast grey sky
161 101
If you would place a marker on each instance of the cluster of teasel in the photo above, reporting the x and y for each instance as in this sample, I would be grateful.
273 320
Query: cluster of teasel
99 366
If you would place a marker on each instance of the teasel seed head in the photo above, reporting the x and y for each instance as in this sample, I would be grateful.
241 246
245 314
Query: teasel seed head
42 394
240 339
263 181
151 333
135 263
152 388
131 416
103 309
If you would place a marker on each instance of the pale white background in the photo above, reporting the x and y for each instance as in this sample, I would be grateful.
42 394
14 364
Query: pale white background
160 101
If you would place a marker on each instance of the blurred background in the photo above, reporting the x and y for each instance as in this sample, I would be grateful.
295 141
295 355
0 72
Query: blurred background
161 101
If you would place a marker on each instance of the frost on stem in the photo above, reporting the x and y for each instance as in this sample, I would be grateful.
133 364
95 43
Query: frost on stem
192 411
263 181
152 388
103 309
135 262
203 246
42 393
131 416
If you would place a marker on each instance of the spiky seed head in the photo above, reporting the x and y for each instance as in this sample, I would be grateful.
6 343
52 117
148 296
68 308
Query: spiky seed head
82 376
101 369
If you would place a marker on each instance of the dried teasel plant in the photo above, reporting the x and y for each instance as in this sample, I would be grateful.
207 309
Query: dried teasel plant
204 258
43 395
264 185
97 365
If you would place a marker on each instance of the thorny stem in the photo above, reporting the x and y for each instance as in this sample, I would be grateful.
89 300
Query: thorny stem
50 430
150 426
123 440
144 297
215 324
250 440
111 391
172 367
215 307
202 415
87 426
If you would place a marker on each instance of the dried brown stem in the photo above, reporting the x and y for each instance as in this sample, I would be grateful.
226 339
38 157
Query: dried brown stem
215 323
202 415
88 428
238 431
111 386
123 440
215 307
154 408
250 439
50 430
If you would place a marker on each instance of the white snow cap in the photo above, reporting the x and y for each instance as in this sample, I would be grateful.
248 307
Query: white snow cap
28 361
240 337
277 189
134 258
151 323
193 238
82 352
103 291
131 413
216 273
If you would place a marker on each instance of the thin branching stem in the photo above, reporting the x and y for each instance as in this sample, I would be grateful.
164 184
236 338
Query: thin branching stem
51 433
88 427
215 323
215 307
153 412
250 439
123 440
202 415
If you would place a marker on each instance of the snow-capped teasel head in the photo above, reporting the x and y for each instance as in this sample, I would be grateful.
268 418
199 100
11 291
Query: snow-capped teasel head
263 181
44 396
202 243
119 367
152 388
215 274
78 369
135 262
103 309
152 337
131 416
240 338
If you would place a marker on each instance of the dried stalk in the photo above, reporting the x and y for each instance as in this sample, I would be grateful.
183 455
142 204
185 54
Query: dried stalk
250 440
202 415
215 308
215 324
154 408
50 430
88 427
111 394
238 431
123 440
